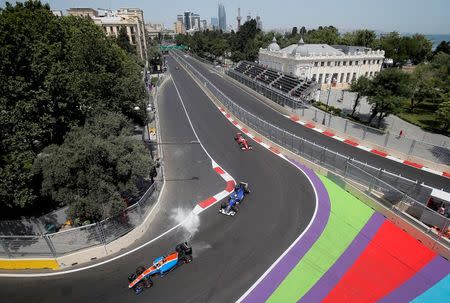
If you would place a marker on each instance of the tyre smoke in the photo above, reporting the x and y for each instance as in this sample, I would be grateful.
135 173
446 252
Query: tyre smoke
189 221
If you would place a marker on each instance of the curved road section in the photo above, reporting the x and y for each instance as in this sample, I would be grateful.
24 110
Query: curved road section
257 107
231 253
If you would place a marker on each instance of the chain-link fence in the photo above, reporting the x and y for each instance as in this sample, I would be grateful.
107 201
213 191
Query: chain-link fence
28 241
36 237
389 189
403 144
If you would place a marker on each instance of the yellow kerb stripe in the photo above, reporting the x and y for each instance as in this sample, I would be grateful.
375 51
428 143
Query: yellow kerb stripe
29 264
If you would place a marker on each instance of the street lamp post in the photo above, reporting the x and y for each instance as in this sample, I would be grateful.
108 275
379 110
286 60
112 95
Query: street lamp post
328 100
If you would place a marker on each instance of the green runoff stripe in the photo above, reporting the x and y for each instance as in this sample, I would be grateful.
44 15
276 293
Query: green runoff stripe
348 216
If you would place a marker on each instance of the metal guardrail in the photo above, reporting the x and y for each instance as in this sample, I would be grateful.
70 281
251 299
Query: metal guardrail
403 144
28 238
74 239
390 190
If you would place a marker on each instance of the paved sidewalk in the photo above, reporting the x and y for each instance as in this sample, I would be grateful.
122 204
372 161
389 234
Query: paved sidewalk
413 142
392 123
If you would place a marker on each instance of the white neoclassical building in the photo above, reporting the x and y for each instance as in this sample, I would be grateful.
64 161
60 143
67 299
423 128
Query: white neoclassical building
322 62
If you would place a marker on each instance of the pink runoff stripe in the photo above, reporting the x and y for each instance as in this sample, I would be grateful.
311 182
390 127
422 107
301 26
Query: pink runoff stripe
329 280
327 133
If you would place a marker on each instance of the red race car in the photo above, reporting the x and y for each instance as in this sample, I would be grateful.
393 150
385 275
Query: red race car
243 143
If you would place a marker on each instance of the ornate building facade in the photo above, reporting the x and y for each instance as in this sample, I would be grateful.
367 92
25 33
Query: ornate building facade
111 21
337 64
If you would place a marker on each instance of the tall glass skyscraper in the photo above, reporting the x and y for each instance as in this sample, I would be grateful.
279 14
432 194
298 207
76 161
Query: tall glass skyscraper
222 18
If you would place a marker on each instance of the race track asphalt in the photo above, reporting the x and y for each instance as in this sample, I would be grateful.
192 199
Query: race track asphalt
230 253
257 107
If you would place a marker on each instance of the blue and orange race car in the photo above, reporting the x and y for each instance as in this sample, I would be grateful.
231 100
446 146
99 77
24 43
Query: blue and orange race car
230 207
143 277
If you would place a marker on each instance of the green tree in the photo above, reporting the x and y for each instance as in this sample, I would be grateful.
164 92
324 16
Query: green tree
124 42
93 167
443 47
294 31
441 70
387 91
325 35
55 72
423 88
359 37
418 48
443 113
401 49
362 88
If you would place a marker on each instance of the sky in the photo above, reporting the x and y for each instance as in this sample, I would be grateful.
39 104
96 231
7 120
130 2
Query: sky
404 16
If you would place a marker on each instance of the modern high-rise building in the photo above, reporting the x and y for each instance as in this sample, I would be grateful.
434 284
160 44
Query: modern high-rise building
187 20
222 18
195 24
238 18
179 27
258 22
203 25
191 21
214 23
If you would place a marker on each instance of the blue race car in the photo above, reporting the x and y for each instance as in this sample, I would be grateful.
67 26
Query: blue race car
161 265
230 207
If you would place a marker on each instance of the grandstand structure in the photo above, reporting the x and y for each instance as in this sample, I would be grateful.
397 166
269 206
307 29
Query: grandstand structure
291 86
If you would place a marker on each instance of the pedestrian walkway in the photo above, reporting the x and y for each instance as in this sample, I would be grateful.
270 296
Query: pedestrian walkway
392 123
400 137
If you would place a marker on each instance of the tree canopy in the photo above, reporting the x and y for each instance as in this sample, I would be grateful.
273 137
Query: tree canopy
245 44
55 74
93 167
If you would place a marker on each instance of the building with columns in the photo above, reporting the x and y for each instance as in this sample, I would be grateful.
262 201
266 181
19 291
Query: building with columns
337 64
111 22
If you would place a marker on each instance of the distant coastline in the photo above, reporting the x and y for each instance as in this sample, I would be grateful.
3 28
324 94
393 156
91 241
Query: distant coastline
436 39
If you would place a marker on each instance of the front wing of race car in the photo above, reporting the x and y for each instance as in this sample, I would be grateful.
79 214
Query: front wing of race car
227 213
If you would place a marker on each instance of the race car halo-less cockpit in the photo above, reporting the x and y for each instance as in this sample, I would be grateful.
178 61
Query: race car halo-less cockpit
230 207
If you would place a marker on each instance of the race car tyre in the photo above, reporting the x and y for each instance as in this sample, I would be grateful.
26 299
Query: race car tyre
246 189
138 288
223 205
147 283
187 259
140 270
131 278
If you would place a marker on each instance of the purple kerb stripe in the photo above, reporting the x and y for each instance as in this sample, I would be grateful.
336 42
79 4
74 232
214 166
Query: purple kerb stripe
279 272
424 279
329 280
